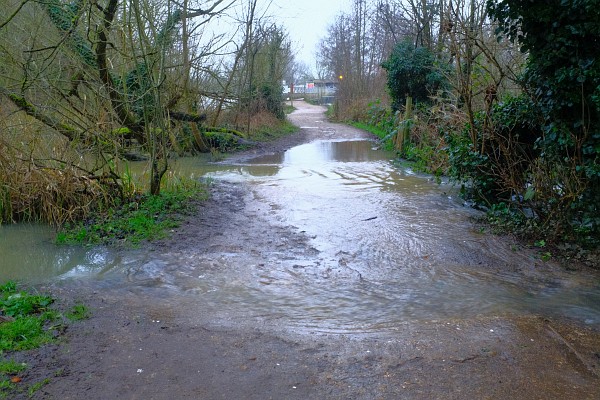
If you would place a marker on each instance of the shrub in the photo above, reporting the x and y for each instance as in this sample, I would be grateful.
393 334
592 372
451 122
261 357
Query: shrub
412 71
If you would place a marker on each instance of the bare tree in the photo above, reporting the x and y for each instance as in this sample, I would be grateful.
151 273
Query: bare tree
104 72
354 48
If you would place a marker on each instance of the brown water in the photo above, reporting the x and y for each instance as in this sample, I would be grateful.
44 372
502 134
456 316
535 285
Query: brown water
363 246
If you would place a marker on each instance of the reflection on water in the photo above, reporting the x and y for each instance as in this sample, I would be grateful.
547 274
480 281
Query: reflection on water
28 253
386 246
326 151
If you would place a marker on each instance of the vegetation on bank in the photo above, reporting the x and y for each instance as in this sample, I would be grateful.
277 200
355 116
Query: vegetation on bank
145 217
267 133
28 320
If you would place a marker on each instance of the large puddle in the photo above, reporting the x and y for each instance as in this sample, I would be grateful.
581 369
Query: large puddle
364 246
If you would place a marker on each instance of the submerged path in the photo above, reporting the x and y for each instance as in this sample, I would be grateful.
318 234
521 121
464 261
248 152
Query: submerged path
324 273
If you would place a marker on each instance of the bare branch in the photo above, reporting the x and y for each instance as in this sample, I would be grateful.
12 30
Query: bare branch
68 131
10 17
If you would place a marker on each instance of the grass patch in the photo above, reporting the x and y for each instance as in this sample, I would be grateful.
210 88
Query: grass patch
27 322
270 133
78 312
24 317
11 367
288 109
146 217
421 158
37 386
380 133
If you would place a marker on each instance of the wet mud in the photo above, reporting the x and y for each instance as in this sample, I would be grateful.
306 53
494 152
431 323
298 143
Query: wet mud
259 296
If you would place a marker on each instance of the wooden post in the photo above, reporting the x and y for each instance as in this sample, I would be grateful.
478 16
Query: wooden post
403 134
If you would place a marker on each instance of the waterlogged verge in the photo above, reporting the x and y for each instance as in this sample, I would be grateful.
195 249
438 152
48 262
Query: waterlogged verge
146 217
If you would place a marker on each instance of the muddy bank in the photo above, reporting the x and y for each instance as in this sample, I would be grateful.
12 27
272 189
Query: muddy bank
209 313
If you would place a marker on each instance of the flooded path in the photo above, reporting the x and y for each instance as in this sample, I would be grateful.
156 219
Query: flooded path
335 239
368 280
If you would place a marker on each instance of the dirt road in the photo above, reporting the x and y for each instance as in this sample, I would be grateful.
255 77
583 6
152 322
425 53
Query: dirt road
143 342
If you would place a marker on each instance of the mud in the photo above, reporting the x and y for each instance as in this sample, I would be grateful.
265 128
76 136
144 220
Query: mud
147 341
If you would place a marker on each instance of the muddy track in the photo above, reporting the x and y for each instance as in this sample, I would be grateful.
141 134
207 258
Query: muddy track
143 342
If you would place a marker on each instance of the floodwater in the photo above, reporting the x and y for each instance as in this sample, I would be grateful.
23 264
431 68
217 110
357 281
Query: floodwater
28 254
335 239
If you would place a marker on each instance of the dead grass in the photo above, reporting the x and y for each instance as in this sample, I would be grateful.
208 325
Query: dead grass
37 180
29 192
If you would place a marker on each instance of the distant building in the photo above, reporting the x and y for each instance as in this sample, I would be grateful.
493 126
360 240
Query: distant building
319 91
287 89
323 87
320 87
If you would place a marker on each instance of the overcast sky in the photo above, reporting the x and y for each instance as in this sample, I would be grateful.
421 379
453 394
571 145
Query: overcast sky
307 22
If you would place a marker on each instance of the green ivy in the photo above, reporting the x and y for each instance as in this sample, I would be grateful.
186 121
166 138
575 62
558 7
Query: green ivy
562 75
412 71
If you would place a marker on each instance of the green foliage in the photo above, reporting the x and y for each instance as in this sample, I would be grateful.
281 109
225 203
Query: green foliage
65 17
377 131
164 37
28 324
138 87
288 109
22 334
222 141
37 386
423 148
508 151
27 315
382 121
422 156
471 168
504 218
412 72
562 71
18 304
78 312
267 60
272 95
272 132
11 367
563 74
147 217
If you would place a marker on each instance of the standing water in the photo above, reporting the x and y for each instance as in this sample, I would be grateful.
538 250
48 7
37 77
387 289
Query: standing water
28 253
329 236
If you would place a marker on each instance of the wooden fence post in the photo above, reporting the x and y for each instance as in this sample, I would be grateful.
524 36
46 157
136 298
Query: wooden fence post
403 134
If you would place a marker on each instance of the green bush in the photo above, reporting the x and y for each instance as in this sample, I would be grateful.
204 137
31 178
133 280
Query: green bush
470 168
563 76
414 72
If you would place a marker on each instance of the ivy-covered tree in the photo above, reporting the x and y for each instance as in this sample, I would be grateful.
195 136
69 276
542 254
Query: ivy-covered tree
562 75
